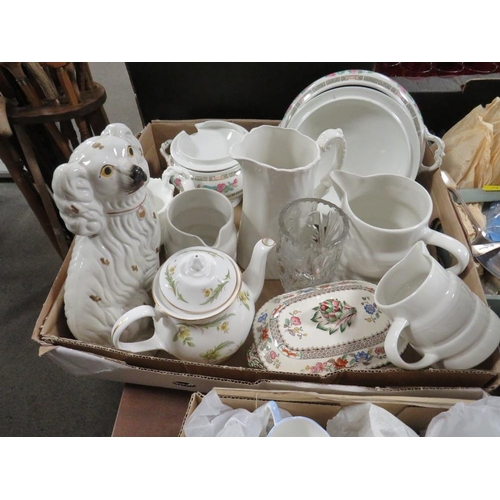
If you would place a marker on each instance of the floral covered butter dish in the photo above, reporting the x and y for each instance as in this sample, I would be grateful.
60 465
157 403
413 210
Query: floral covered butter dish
320 330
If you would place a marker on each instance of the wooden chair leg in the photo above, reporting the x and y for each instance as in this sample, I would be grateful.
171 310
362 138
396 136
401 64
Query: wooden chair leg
45 195
15 166
98 120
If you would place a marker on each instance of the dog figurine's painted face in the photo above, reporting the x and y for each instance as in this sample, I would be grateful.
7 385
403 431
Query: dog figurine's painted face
101 175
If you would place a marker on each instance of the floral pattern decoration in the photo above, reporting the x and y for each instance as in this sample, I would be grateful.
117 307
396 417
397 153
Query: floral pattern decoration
371 309
212 294
173 285
184 330
293 325
223 187
350 360
214 354
244 297
333 315
264 346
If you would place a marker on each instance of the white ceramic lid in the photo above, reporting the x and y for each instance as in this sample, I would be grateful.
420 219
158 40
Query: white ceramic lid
321 330
197 283
207 150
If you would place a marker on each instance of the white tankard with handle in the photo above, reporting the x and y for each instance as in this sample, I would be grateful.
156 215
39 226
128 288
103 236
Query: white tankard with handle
442 319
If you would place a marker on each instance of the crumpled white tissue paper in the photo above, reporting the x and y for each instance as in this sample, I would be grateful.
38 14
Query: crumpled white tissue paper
367 420
477 419
213 418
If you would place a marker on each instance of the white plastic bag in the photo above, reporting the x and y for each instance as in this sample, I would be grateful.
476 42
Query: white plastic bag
213 418
367 420
478 419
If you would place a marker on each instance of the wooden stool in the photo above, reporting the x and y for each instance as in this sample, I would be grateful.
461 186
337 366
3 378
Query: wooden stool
46 110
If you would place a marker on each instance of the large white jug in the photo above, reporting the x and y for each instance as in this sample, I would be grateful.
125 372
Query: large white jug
388 214
279 165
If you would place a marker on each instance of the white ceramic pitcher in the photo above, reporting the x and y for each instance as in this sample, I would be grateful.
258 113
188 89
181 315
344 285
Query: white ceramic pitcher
388 213
437 314
279 165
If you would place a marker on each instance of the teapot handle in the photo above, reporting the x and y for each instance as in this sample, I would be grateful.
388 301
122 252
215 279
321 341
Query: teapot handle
328 139
152 344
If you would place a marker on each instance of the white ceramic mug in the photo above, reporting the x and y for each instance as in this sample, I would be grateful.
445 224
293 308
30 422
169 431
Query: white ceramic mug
200 217
293 426
442 319
387 213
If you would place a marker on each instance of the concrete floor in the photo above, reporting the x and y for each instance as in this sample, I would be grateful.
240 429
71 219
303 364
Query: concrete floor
37 398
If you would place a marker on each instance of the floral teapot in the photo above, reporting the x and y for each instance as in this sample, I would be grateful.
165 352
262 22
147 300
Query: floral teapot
204 305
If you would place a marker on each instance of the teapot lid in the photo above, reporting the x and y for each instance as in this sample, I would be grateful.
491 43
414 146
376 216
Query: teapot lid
197 283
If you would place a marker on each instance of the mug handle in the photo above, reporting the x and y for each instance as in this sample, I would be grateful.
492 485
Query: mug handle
179 177
438 153
452 245
328 139
275 411
392 351
124 321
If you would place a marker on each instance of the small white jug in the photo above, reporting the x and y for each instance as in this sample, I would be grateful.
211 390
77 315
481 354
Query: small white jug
194 217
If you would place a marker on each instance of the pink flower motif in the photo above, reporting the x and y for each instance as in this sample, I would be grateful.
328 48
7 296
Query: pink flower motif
220 187
295 321
379 350
273 355
235 182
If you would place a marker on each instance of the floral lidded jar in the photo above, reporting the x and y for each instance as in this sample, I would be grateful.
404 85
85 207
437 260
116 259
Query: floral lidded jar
204 158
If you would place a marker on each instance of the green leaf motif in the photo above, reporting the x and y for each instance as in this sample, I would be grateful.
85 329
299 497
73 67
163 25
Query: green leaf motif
209 324
218 289
214 354
173 286
244 297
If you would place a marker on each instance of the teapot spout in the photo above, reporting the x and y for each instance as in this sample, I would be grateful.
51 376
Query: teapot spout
254 275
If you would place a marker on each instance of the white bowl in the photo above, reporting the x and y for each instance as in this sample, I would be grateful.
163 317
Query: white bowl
381 83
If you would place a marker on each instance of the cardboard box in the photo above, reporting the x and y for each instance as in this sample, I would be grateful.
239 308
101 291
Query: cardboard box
80 358
416 412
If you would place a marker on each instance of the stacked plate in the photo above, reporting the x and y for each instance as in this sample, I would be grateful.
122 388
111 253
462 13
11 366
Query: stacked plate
381 122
